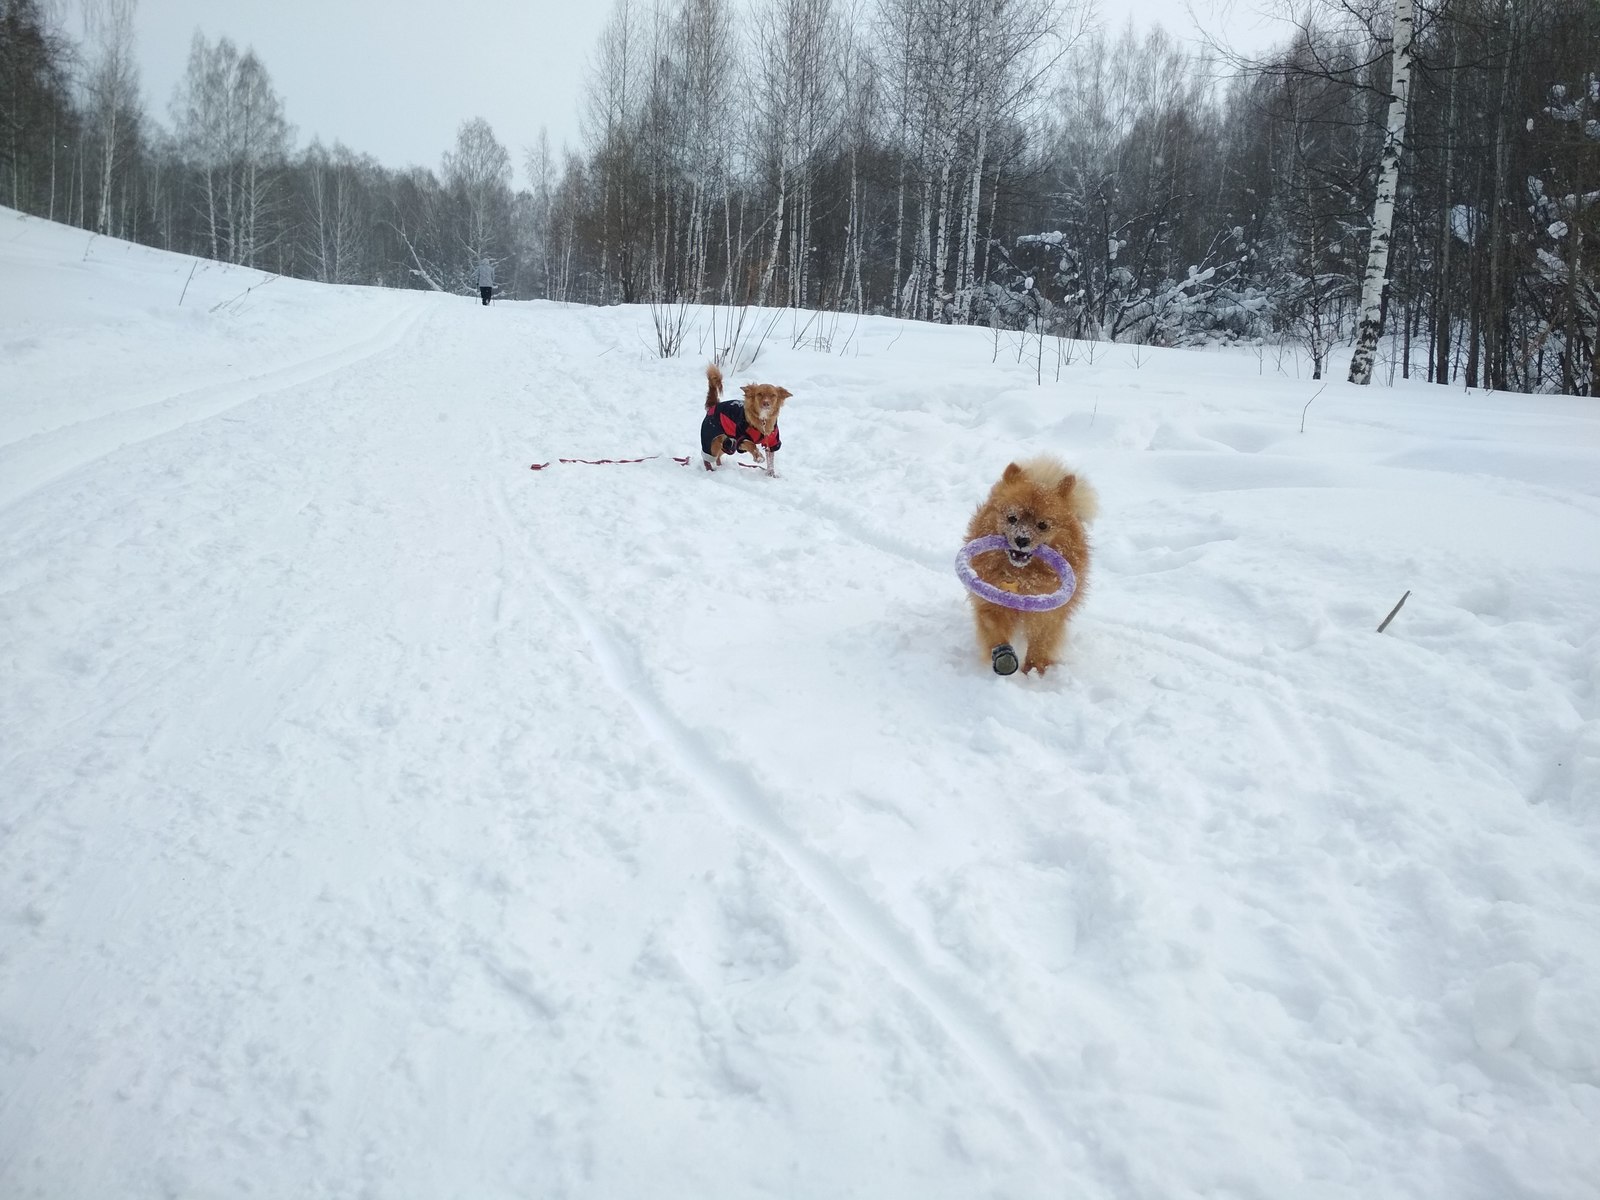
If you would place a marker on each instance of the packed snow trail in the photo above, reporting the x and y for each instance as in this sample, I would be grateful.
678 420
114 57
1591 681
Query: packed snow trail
309 803
378 816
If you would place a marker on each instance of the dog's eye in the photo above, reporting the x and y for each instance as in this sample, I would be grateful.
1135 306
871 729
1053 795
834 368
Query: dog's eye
1043 525
1012 519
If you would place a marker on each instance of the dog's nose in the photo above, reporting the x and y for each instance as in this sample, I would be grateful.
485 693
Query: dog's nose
1022 540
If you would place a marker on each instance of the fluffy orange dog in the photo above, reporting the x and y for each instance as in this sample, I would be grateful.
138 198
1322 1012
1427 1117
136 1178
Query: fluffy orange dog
1039 502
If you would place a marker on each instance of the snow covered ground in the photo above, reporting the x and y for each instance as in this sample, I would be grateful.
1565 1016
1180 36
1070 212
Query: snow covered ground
381 818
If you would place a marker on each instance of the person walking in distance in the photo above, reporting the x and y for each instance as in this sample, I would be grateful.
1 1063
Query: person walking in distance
485 280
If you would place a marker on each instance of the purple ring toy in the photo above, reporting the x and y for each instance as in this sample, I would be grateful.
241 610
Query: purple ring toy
994 595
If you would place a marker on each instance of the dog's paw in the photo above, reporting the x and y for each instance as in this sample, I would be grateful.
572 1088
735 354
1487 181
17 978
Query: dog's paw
1004 659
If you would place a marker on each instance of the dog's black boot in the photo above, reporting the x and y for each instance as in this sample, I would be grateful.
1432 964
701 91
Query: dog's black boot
1004 659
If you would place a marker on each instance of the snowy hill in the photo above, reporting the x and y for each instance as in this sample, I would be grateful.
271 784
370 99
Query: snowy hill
379 817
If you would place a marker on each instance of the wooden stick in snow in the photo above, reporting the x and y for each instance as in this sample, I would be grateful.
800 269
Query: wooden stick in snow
1307 408
1394 610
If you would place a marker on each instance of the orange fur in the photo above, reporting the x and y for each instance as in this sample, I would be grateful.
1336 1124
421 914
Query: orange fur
1041 491
762 403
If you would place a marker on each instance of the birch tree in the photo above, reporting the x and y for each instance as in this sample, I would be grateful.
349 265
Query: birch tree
958 71
706 46
262 150
794 110
336 216
612 109
233 133
112 94
1016 45
477 176
540 166
859 82
1372 284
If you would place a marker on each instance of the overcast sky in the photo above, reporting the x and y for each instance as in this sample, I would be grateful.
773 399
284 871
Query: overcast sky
395 78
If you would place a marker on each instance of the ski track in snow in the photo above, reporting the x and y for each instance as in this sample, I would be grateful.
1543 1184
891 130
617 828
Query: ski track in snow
382 818
34 462
735 790
867 926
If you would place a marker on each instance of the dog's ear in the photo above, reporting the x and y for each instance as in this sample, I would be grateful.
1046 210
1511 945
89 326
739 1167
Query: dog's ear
784 393
749 387
1011 473
1068 482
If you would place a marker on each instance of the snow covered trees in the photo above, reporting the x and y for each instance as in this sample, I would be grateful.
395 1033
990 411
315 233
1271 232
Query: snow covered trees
1309 239
975 161
1128 215
964 78
1152 205
1564 204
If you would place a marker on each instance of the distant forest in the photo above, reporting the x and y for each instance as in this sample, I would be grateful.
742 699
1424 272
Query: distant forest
982 162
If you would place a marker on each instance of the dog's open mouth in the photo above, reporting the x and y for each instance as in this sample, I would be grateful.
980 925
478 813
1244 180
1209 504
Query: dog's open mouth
1019 558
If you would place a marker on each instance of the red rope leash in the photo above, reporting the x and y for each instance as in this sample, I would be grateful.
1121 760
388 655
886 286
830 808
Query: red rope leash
608 462
605 462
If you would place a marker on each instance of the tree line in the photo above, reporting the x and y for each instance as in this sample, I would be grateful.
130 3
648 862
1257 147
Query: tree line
223 178
990 162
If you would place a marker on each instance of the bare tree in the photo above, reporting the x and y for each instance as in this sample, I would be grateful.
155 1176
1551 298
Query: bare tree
793 121
959 71
612 111
336 214
477 176
35 104
540 166
263 147
233 133
858 80
706 46
112 94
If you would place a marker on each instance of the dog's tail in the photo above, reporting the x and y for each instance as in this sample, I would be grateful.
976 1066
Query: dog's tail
713 387
1048 472
1085 501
